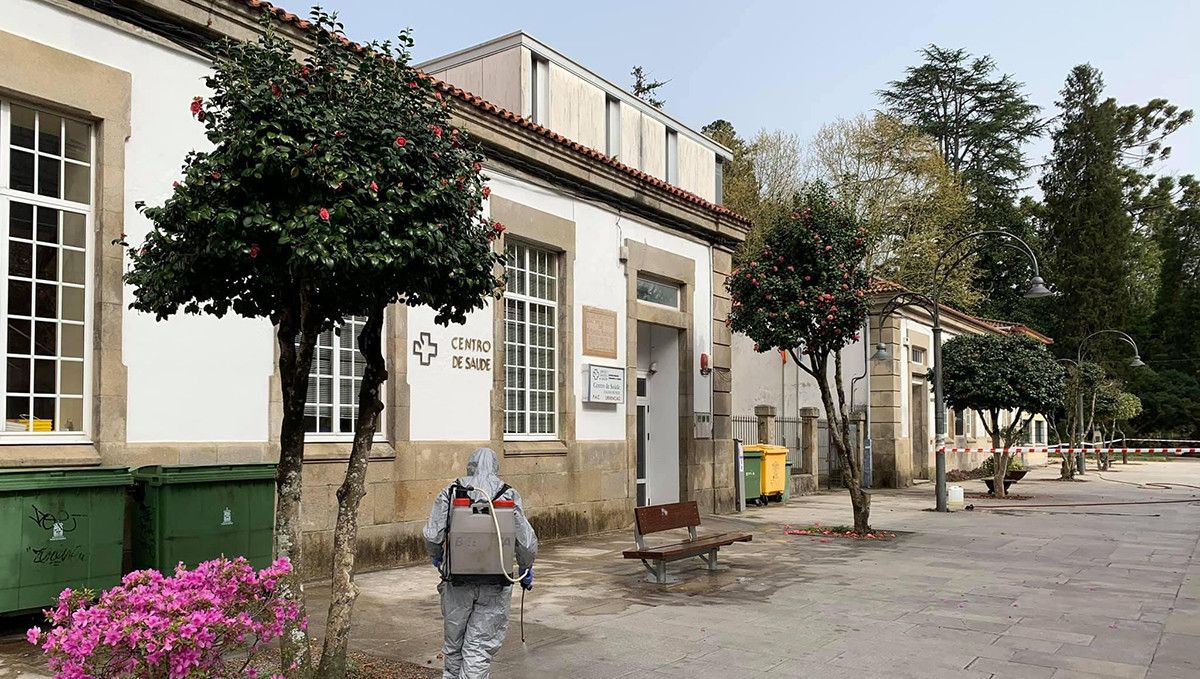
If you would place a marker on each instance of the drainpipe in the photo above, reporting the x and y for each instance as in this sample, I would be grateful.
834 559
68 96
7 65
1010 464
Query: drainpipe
866 377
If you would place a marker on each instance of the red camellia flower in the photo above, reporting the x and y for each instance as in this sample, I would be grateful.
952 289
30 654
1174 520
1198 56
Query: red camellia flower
254 250
305 70
216 175
339 134
828 248
487 191
401 141
498 228
477 167
374 186
437 130
275 91
174 185
412 84
324 214
196 104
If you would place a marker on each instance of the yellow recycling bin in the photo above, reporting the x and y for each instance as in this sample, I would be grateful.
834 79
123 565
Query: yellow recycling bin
774 468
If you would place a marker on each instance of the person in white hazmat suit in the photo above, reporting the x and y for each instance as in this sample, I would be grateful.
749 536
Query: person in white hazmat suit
475 608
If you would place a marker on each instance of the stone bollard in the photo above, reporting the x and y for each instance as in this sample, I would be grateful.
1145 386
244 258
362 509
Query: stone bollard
808 439
766 423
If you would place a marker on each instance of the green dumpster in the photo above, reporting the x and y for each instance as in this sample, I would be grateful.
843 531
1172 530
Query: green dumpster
787 486
62 528
752 476
193 513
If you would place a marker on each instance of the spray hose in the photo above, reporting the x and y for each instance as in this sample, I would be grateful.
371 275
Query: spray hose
500 544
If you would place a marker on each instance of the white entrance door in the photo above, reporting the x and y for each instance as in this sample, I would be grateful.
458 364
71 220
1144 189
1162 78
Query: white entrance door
658 359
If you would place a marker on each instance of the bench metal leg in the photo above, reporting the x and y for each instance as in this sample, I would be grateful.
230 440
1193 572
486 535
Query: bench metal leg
659 572
710 560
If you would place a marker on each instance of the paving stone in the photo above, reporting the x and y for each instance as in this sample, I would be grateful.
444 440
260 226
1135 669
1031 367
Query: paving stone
1066 662
1019 630
1002 668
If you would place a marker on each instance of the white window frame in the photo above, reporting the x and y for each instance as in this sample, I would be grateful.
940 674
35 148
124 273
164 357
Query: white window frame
719 196
339 335
672 173
539 90
7 196
658 281
918 355
555 335
612 123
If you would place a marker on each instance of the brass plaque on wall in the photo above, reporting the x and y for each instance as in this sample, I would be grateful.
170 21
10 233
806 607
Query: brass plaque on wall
599 332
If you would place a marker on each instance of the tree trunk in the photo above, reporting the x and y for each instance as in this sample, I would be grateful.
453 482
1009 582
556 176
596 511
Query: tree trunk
296 343
999 458
343 591
839 438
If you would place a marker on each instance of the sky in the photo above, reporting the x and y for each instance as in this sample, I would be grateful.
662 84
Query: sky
798 65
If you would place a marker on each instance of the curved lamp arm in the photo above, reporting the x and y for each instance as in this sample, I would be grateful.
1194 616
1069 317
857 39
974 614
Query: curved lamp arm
1137 355
1024 247
896 303
906 299
976 250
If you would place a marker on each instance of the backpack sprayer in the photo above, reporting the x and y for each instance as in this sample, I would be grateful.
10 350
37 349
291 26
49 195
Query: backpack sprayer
471 553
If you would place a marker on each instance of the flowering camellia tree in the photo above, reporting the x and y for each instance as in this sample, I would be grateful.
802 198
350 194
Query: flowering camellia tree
993 374
191 625
800 288
333 187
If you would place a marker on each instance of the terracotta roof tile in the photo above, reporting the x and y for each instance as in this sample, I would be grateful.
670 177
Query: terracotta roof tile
504 114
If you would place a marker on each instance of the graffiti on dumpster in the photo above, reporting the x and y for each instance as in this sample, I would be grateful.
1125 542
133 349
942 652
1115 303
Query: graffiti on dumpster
55 556
58 524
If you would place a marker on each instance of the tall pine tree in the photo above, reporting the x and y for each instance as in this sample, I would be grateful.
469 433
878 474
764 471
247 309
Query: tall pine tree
1086 223
981 120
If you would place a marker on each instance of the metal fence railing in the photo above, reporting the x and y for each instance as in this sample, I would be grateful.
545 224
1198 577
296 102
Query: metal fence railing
746 429
829 465
787 433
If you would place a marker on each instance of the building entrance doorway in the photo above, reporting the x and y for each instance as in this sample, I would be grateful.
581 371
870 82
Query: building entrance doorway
657 414
918 428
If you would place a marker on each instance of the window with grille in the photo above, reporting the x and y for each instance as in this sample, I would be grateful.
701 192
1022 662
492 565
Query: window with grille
45 218
331 408
918 355
530 343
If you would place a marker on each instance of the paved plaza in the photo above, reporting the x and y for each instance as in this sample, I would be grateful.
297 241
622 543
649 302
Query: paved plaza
1097 589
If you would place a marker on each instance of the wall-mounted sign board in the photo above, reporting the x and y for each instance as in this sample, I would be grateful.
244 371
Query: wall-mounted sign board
599 332
605 384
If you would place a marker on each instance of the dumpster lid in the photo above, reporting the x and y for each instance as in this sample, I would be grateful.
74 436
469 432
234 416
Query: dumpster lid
765 448
170 474
49 478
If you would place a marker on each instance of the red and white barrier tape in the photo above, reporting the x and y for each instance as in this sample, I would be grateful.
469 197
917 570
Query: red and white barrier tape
1044 449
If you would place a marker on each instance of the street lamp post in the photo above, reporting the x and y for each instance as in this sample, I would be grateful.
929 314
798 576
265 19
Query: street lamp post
932 304
1080 458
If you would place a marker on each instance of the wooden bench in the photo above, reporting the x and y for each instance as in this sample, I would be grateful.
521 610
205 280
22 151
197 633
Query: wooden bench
657 518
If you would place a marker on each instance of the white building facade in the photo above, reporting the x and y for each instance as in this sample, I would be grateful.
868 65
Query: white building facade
602 376
902 423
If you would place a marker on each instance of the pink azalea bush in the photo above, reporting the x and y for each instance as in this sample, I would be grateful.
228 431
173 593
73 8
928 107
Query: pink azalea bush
207 622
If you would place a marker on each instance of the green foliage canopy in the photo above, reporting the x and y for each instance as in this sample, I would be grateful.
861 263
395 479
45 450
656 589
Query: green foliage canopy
995 373
803 287
331 186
